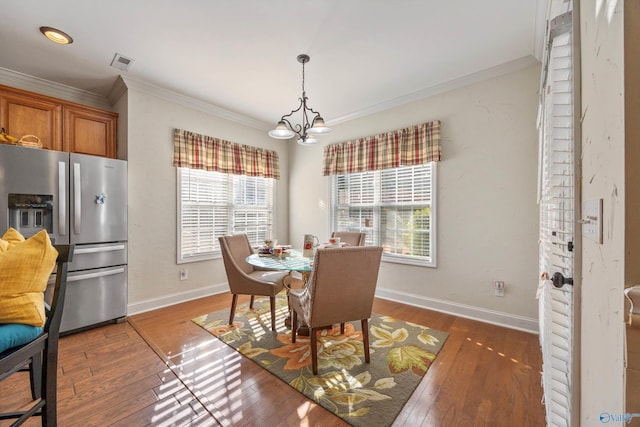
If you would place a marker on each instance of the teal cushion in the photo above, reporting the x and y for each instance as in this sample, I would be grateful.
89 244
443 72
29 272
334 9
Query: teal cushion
15 334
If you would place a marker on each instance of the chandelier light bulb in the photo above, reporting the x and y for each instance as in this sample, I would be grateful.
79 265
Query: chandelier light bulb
319 128
281 131
309 140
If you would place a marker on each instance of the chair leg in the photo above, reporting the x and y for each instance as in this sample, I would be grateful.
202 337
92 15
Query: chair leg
234 301
342 328
35 376
294 325
273 313
314 350
251 302
50 379
365 339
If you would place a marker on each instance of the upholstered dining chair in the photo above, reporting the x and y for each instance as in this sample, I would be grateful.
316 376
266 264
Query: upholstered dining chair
351 238
244 279
41 354
341 289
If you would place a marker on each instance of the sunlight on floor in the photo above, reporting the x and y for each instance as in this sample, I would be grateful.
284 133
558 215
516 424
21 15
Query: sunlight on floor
479 344
174 406
214 374
260 326
302 412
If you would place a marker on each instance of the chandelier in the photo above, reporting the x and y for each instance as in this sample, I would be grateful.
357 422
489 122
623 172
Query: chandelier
309 128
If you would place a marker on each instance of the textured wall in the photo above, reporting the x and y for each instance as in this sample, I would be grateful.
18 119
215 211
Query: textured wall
153 272
486 191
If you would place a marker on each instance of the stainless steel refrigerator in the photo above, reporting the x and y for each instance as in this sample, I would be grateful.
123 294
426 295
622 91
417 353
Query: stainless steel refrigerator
81 200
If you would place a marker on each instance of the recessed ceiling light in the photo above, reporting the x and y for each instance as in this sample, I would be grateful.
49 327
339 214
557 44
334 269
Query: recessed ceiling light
56 35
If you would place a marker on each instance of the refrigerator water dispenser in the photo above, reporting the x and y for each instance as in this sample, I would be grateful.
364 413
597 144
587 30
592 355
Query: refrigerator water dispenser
30 213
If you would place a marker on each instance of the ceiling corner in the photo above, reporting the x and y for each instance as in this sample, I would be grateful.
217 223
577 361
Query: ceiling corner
117 90
540 28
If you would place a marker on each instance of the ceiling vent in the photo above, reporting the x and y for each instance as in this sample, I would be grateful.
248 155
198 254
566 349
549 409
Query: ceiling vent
121 62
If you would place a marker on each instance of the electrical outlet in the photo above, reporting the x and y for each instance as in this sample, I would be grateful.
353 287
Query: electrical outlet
498 287
184 274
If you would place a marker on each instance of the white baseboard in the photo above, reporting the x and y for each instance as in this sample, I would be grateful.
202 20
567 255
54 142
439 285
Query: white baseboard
167 300
507 320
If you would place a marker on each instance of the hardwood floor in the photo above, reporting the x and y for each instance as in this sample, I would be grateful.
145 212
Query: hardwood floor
160 369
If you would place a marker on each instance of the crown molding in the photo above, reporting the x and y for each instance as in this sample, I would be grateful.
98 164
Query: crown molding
124 83
540 28
118 89
53 89
499 70
187 101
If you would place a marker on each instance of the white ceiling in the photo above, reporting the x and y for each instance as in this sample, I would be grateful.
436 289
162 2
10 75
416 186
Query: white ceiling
241 55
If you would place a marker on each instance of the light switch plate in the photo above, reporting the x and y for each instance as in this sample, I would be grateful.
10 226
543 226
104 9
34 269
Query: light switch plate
592 220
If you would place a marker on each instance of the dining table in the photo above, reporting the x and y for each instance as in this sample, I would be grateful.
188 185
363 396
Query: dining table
290 260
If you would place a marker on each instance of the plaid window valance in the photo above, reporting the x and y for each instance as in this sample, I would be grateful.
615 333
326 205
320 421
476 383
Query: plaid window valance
414 145
195 151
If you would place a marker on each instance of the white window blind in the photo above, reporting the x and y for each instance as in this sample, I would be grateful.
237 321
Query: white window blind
557 196
557 210
214 204
394 207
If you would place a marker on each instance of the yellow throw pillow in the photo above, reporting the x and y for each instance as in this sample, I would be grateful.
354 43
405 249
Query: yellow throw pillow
13 237
25 267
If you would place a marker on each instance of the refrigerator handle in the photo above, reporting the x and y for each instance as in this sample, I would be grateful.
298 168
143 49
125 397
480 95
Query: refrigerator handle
98 249
77 199
62 198
94 275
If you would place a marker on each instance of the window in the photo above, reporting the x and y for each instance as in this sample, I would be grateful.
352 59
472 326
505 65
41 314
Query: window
213 204
395 207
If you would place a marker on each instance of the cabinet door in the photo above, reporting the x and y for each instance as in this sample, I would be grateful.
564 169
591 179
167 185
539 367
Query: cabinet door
26 115
89 131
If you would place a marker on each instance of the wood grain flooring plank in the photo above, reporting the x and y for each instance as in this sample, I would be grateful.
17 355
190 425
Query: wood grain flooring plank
82 405
160 369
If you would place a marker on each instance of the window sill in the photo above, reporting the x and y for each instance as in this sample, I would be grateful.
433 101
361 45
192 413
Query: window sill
198 258
408 260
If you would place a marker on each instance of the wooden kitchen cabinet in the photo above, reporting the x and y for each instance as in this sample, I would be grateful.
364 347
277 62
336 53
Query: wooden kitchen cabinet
60 125
90 131
22 114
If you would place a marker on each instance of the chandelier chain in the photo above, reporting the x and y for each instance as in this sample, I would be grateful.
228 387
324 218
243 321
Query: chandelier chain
303 94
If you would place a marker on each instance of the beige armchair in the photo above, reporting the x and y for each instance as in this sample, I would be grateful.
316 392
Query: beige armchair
341 289
244 279
350 238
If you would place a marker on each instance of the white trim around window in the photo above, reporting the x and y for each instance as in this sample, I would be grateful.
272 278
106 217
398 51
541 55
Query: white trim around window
214 204
396 208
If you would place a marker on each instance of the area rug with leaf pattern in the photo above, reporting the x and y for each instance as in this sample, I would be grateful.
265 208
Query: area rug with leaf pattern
363 394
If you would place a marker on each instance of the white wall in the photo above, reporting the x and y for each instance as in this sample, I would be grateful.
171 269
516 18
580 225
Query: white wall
602 352
487 213
153 271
